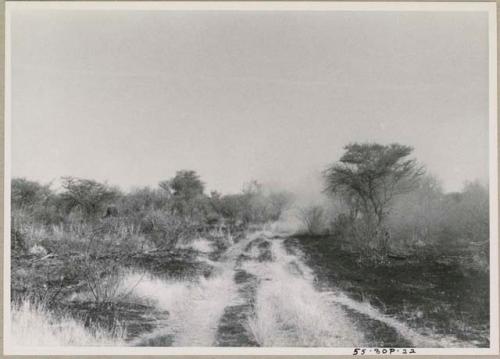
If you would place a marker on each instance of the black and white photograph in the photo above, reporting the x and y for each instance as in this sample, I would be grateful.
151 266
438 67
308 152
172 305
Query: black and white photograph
250 178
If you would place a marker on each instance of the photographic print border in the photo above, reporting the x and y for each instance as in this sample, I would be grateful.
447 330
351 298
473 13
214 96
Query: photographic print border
489 7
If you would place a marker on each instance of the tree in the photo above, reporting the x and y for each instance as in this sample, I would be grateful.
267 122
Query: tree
88 196
25 193
36 199
186 191
186 184
253 188
368 177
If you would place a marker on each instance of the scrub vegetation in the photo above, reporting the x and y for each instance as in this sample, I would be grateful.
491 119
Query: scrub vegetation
389 258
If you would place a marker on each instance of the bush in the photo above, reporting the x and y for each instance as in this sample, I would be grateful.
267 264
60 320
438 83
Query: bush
448 222
424 222
313 219
165 230
256 205
102 277
18 241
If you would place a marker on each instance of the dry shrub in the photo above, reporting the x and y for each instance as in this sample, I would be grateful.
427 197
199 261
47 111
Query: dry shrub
313 219
165 230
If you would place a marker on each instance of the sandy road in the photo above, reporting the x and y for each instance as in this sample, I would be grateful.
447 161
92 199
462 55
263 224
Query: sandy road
262 293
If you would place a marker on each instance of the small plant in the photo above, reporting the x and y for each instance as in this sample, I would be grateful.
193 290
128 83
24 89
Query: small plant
103 279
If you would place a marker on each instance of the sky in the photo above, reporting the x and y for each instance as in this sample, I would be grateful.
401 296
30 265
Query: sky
130 97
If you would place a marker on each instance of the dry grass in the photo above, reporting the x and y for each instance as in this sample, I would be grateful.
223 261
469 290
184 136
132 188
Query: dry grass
289 311
33 325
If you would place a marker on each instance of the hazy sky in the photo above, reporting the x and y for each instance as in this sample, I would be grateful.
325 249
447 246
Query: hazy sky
132 96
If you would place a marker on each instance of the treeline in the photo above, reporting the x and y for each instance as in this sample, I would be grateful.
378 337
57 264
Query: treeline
177 209
383 204
71 248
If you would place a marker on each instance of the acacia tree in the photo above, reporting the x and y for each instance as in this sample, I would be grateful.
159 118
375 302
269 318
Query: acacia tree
89 196
186 184
186 190
367 178
26 194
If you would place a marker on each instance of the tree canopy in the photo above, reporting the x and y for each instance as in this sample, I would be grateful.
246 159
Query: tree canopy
88 195
25 193
369 175
186 189
186 184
